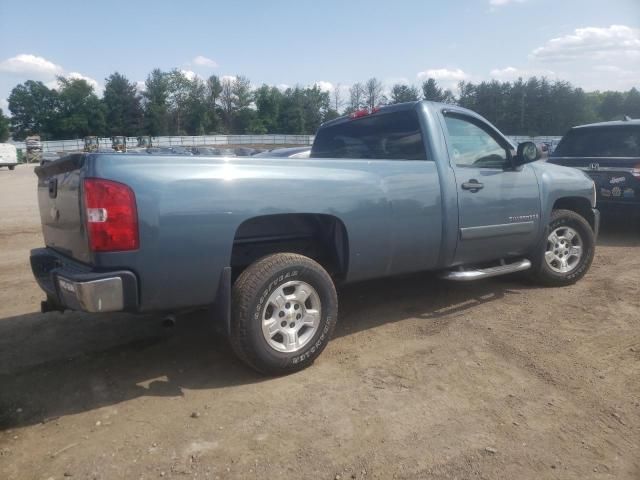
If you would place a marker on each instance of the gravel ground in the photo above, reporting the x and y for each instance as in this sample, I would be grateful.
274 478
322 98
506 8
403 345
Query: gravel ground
424 379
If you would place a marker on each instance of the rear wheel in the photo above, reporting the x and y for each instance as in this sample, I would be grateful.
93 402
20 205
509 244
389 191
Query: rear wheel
566 252
285 308
11 167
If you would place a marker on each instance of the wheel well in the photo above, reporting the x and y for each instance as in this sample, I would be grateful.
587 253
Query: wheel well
318 236
580 205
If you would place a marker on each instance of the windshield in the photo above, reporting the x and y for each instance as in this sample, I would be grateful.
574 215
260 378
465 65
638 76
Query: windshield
615 141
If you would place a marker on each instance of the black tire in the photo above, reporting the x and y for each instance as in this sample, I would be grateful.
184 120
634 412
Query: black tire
11 167
250 296
542 273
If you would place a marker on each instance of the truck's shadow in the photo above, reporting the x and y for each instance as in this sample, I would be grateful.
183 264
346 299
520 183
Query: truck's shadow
52 365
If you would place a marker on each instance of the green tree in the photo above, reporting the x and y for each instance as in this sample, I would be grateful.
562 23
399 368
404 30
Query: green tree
374 93
4 127
268 102
631 105
315 105
291 115
213 92
33 109
196 117
431 91
404 93
81 112
123 111
356 98
179 89
156 103
612 106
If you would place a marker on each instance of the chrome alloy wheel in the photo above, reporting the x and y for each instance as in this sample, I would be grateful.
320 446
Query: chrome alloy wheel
291 316
564 250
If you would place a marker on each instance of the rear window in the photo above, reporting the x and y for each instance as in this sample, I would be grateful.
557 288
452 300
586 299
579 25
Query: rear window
389 136
622 141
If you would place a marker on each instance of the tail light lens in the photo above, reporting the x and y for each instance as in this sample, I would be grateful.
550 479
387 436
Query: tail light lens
112 216
636 171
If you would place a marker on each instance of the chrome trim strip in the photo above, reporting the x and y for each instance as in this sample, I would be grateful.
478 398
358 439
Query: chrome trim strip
479 274
488 231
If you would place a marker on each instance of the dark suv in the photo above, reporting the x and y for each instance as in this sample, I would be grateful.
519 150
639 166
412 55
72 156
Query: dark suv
608 152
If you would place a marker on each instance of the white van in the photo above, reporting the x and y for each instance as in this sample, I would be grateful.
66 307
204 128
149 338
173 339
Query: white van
8 156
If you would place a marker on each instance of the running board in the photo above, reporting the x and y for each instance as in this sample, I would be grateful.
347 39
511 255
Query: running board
478 274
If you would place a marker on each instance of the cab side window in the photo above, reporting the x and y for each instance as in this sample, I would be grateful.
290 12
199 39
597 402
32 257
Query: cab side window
472 146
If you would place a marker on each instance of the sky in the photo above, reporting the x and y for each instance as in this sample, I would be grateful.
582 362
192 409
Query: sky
594 44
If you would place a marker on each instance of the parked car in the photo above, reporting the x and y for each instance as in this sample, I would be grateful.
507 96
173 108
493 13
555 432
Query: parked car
209 151
244 151
8 156
404 188
609 153
175 150
180 150
293 152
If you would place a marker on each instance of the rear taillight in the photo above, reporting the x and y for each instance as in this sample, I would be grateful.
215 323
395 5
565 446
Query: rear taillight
112 217
636 171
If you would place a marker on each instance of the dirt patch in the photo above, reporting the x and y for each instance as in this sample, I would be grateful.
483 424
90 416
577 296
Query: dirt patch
424 379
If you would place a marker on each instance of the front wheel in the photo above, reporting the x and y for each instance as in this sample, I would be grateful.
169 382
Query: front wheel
566 252
285 308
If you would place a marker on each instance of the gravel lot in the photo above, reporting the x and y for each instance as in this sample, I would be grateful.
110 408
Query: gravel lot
424 379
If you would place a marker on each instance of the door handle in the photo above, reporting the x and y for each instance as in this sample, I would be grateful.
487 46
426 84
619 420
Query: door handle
473 185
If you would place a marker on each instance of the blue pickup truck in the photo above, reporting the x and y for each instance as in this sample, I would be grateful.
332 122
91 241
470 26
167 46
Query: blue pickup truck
399 189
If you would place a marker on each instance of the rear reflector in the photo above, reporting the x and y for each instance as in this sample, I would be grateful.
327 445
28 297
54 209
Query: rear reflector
636 171
112 217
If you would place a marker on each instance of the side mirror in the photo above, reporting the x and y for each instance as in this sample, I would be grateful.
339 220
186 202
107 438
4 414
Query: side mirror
527 152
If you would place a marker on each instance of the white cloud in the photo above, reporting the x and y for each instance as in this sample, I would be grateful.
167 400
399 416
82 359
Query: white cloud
201 61
32 66
324 86
283 86
141 86
4 105
500 3
78 76
443 74
190 74
513 73
228 78
592 43
594 58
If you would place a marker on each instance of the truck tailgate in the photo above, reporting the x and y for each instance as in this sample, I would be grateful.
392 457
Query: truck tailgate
60 203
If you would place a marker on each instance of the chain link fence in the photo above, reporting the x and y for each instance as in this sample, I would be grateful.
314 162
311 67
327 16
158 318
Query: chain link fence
187 141
55 146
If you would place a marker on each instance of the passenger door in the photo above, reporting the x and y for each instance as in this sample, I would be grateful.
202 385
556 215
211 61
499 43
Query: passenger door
498 206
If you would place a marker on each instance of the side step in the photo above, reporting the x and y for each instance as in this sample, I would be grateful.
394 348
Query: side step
478 274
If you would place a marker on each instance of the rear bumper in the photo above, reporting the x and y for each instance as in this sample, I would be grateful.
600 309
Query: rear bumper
71 285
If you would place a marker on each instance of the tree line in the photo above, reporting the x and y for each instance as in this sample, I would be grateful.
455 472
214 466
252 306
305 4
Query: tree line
173 103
